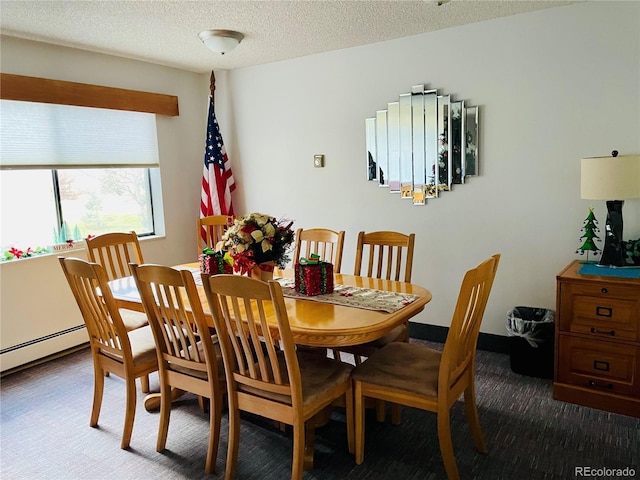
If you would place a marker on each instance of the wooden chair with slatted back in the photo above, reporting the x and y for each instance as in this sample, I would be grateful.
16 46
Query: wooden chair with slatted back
212 227
386 255
328 244
127 354
265 373
189 358
115 251
424 378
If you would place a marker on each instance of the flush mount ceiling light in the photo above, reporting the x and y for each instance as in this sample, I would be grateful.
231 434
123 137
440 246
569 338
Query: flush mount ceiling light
221 41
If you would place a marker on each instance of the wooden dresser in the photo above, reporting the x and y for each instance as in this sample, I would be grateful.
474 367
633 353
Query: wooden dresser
597 357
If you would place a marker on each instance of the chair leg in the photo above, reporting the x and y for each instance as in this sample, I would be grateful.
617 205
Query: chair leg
165 415
396 413
359 422
471 411
234 440
309 443
297 467
130 411
215 416
446 445
98 390
349 414
144 383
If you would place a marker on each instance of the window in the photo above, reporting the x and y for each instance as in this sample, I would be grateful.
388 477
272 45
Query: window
67 172
36 203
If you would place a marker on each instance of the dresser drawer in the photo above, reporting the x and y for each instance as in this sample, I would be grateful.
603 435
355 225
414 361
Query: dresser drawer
598 365
600 310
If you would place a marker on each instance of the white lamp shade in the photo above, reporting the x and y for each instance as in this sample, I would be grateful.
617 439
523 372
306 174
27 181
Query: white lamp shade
610 178
221 41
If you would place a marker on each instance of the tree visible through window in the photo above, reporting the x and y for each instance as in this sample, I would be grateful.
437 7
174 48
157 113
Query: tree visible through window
37 203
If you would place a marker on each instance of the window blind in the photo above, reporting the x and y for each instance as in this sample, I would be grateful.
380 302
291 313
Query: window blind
43 135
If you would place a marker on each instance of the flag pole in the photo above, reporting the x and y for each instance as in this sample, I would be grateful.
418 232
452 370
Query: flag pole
212 87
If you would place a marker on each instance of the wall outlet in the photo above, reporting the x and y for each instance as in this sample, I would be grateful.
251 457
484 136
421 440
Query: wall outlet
318 161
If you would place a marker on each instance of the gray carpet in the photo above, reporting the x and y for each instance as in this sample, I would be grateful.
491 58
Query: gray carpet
45 434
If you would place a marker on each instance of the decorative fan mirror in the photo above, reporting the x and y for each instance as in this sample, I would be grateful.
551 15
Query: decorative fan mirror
422 145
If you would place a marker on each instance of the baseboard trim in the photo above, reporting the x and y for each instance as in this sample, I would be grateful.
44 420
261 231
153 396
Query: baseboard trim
437 333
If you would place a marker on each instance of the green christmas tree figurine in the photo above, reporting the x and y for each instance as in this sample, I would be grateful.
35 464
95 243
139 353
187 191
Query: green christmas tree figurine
589 236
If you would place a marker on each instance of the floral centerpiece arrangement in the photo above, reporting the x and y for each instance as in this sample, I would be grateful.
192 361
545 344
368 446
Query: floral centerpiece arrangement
257 240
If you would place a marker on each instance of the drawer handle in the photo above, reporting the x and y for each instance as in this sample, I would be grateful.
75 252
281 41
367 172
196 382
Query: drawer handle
603 290
608 386
600 365
604 311
610 332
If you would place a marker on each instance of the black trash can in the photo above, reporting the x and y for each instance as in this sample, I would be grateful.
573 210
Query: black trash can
532 332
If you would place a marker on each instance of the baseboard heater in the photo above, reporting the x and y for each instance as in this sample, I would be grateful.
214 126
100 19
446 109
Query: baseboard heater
41 339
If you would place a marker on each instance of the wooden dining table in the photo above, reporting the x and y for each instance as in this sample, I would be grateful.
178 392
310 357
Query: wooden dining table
314 322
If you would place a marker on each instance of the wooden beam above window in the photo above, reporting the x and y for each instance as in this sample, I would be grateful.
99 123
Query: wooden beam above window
44 90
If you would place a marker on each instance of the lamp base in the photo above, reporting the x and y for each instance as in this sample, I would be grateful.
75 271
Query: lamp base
613 251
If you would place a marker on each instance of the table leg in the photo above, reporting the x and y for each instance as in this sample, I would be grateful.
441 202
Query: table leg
152 401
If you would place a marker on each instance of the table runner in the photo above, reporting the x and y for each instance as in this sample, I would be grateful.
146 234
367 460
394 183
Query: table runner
350 296
346 295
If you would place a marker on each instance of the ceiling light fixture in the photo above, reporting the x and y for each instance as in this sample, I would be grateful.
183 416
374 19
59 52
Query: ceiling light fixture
221 41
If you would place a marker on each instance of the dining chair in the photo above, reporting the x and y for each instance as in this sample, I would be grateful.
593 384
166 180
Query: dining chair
212 228
385 255
115 251
127 354
424 378
328 244
265 373
189 357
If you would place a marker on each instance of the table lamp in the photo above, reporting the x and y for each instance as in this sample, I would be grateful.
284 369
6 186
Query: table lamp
607 178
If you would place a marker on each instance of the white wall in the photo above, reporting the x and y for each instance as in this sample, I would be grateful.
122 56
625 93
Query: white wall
553 86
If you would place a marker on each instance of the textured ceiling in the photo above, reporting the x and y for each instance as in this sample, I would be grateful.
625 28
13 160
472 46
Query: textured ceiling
166 32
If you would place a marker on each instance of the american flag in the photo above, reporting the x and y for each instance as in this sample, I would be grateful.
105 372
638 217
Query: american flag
217 178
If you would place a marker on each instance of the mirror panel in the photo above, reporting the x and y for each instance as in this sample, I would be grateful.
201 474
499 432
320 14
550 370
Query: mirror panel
393 145
381 147
457 112
444 144
471 142
418 144
370 132
431 141
406 147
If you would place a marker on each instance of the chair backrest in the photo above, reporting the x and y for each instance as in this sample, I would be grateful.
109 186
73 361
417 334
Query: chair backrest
386 255
115 251
458 356
90 288
321 241
211 229
176 316
258 355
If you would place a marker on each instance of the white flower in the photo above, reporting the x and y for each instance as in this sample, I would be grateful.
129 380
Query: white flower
266 245
257 235
269 230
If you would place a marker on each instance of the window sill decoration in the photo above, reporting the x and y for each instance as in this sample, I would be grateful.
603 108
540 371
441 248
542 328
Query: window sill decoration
14 253
422 144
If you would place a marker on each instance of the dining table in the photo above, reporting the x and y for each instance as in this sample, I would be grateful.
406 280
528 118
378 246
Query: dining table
359 310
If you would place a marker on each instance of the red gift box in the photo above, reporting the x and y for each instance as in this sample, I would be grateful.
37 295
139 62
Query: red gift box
315 279
214 264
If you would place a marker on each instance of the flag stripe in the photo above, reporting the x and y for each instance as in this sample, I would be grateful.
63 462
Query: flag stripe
217 177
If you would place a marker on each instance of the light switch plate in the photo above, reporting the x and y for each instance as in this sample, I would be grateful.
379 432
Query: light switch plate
318 161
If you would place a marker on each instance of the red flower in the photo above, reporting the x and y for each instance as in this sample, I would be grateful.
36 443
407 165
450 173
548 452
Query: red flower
15 252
